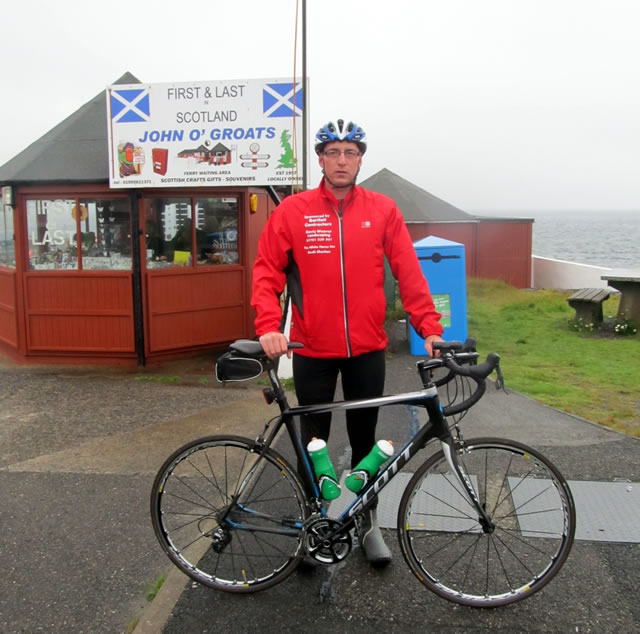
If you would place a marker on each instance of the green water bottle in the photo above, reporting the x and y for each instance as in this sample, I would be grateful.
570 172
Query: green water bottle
326 474
369 465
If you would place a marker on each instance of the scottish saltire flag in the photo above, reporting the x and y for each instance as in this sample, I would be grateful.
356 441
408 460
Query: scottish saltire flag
278 100
130 105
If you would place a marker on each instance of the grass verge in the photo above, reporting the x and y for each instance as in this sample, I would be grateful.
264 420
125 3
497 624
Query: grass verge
154 588
157 378
594 374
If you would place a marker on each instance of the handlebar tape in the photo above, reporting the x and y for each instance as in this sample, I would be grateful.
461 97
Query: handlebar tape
477 373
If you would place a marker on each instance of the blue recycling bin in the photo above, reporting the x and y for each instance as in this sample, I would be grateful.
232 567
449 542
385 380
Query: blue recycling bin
443 264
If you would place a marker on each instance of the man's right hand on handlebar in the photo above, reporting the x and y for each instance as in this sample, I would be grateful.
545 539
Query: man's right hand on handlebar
275 344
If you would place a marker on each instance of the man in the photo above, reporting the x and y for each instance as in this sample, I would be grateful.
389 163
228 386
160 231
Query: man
328 244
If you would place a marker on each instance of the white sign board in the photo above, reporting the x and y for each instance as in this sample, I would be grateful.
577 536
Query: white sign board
205 134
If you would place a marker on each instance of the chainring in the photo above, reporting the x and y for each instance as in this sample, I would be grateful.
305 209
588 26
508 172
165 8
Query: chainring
324 542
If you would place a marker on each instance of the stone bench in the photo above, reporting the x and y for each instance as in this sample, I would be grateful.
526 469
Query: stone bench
588 304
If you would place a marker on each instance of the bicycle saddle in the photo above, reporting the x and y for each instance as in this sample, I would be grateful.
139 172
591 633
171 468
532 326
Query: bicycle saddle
248 347
253 348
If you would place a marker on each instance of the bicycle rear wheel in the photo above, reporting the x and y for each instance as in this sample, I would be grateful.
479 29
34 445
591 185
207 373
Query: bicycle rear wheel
528 501
228 517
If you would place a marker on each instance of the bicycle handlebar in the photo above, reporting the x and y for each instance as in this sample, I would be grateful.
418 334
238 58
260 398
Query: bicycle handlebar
477 373
458 359
465 354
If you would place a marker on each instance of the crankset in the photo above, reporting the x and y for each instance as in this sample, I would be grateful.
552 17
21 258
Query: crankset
325 542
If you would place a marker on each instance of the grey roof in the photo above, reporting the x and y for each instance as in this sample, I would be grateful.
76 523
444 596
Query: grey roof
75 151
416 204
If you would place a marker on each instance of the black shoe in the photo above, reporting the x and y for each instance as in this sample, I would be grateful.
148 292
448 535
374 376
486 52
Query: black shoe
370 536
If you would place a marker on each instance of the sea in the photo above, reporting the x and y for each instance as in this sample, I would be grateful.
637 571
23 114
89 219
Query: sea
606 238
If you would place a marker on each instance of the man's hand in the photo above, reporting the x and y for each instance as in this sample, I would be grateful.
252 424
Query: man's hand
275 344
428 344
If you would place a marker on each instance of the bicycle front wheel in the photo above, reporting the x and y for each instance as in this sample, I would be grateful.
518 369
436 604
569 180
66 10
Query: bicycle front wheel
227 516
531 508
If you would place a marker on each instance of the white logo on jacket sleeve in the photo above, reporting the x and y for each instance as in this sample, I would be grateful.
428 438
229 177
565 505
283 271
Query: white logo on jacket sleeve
366 224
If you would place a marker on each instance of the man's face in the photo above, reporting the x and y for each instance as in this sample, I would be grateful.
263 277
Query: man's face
341 170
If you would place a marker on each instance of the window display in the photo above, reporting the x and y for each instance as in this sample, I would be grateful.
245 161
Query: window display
173 240
7 245
95 233
106 234
53 227
218 219
168 232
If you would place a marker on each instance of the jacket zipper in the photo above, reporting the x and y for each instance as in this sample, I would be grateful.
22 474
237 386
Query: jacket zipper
339 211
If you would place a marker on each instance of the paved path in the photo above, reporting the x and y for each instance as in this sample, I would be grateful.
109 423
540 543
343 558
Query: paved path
79 451
595 592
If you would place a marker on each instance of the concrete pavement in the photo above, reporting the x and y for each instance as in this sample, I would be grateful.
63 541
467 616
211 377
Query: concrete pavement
594 592
80 448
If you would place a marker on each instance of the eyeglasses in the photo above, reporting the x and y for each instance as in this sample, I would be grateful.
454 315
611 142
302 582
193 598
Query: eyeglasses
348 154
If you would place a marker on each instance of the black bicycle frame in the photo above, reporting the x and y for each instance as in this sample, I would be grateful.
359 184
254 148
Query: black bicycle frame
427 397
436 427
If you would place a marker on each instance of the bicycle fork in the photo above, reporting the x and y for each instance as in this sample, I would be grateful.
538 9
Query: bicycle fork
449 450
448 445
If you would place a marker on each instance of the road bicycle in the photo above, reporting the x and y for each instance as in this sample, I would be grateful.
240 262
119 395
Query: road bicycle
483 522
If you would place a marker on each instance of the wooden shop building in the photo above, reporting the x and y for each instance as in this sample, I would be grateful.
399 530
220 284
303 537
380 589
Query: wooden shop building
94 275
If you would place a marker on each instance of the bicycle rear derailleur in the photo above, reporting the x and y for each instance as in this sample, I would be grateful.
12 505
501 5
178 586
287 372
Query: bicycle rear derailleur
325 542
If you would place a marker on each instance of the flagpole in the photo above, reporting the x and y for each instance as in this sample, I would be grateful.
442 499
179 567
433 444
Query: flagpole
304 95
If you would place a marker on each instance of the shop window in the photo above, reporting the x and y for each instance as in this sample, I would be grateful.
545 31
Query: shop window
173 240
217 222
7 244
51 231
168 232
53 227
106 234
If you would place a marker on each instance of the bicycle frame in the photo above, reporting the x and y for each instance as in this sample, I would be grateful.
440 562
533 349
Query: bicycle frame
436 427
235 514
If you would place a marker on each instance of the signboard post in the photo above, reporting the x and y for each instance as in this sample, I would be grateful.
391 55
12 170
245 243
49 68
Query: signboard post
222 133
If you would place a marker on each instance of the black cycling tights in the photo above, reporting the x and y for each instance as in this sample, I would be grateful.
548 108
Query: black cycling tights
362 377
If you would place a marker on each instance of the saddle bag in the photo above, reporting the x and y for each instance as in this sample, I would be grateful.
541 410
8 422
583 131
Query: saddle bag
232 366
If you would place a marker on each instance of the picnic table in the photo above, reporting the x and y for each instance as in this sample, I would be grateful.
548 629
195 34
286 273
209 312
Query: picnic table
629 286
587 303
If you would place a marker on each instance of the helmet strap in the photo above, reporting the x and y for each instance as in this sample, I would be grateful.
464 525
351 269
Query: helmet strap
341 187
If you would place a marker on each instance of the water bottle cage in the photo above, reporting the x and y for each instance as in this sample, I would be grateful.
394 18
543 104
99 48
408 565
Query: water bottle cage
360 474
324 477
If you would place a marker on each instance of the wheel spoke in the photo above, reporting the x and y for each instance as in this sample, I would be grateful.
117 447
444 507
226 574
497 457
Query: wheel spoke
226 513
517 553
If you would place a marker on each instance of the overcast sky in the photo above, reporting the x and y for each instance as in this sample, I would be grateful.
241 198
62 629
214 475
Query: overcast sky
512 105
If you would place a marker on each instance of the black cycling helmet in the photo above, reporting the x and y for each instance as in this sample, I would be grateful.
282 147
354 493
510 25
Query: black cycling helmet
340 132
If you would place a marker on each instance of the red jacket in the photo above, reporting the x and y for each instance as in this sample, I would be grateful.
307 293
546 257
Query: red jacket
331 255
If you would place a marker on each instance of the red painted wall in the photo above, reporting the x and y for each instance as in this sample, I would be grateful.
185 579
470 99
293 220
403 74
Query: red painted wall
504 252
494 249
187 309
8 317
75 311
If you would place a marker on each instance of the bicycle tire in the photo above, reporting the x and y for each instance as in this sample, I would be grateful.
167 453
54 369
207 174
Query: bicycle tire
526 497
261 539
